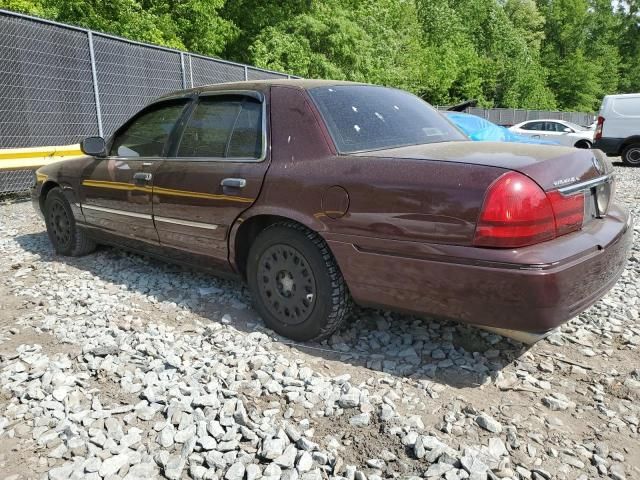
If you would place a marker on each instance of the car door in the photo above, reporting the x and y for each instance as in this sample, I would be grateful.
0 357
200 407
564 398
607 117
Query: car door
213 174
115 192
555 131
533 129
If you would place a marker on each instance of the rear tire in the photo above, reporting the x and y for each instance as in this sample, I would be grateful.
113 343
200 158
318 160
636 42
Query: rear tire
631 155
65 236
296 284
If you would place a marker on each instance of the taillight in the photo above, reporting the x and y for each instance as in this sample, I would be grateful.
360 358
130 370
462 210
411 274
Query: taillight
600 124
568 211
517 212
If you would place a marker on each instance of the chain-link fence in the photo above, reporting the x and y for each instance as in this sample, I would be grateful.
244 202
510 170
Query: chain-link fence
15 181
59 83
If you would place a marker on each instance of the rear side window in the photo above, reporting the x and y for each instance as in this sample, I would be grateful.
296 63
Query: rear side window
533 126
147 134
554 127
366 117
223 127
629 107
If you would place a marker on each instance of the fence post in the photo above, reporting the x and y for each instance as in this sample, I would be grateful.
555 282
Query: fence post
94 75
246 73
184 76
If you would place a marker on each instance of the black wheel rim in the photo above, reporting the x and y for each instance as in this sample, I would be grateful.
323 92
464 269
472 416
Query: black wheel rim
287 284
59 224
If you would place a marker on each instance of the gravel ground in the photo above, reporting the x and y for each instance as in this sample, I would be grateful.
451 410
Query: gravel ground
117 366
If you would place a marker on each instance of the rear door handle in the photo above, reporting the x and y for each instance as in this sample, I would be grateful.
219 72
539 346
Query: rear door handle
234 182
142 177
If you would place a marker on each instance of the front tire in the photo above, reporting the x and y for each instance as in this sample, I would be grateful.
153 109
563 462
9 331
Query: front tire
583 144
67 239
296 284
631 155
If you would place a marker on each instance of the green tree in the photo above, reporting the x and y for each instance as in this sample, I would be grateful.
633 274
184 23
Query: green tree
483 54
185 24
628 12
375 41
510 53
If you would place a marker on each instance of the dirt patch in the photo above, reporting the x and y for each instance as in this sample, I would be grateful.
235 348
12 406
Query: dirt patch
369 442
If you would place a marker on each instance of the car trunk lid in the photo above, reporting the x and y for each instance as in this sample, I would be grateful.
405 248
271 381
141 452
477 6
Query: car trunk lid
550 166
563 171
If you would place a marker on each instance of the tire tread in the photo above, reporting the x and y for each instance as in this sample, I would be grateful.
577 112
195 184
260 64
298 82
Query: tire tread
625 151
82 244
340 296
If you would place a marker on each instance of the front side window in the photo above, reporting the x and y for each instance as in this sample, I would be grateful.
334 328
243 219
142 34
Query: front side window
224 127
555 127
147 135
366 117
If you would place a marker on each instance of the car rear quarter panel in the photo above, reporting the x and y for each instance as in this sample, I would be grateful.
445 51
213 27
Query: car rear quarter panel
416 200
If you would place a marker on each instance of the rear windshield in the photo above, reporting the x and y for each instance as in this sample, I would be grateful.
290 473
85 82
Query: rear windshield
365 117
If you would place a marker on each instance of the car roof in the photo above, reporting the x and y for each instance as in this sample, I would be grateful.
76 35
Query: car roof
545 120
623 95
259 85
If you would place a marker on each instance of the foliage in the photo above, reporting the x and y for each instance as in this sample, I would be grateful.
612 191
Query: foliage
537 54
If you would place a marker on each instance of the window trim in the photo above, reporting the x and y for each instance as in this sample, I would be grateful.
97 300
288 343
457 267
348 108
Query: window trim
187 104
175 144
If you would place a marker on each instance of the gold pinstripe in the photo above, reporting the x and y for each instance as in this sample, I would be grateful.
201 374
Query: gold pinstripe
163 191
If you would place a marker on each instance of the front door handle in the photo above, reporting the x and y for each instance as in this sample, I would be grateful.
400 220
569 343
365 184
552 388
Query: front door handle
234 182
142 177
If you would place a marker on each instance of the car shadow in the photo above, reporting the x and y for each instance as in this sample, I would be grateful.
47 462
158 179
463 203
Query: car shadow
404 346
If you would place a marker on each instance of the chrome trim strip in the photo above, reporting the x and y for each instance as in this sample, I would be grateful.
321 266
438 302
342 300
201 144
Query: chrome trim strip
118 212
187 223
584 185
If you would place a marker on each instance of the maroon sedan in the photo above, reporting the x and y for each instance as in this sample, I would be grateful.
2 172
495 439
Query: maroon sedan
321 193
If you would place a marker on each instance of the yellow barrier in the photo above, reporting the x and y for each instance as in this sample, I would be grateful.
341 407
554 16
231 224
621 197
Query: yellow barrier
34 157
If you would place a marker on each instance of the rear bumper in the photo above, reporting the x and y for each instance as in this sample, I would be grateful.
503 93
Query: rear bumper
512 294
610 146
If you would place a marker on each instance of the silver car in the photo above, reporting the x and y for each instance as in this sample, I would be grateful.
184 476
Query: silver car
559 131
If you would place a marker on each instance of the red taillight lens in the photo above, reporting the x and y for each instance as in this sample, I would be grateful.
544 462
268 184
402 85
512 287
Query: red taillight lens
599 125
517 212
568 211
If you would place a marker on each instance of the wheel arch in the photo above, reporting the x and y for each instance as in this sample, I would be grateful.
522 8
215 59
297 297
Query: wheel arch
583 143
47 186
629 141
67 190
248 227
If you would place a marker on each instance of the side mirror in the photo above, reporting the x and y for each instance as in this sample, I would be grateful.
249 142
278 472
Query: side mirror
94 146
567 130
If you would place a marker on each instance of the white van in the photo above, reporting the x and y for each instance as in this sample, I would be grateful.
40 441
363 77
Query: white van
618 129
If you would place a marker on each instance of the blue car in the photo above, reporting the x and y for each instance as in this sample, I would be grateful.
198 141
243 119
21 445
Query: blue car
481 130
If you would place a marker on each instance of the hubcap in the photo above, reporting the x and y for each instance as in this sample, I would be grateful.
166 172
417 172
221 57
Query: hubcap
633 156
59 224
286 284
